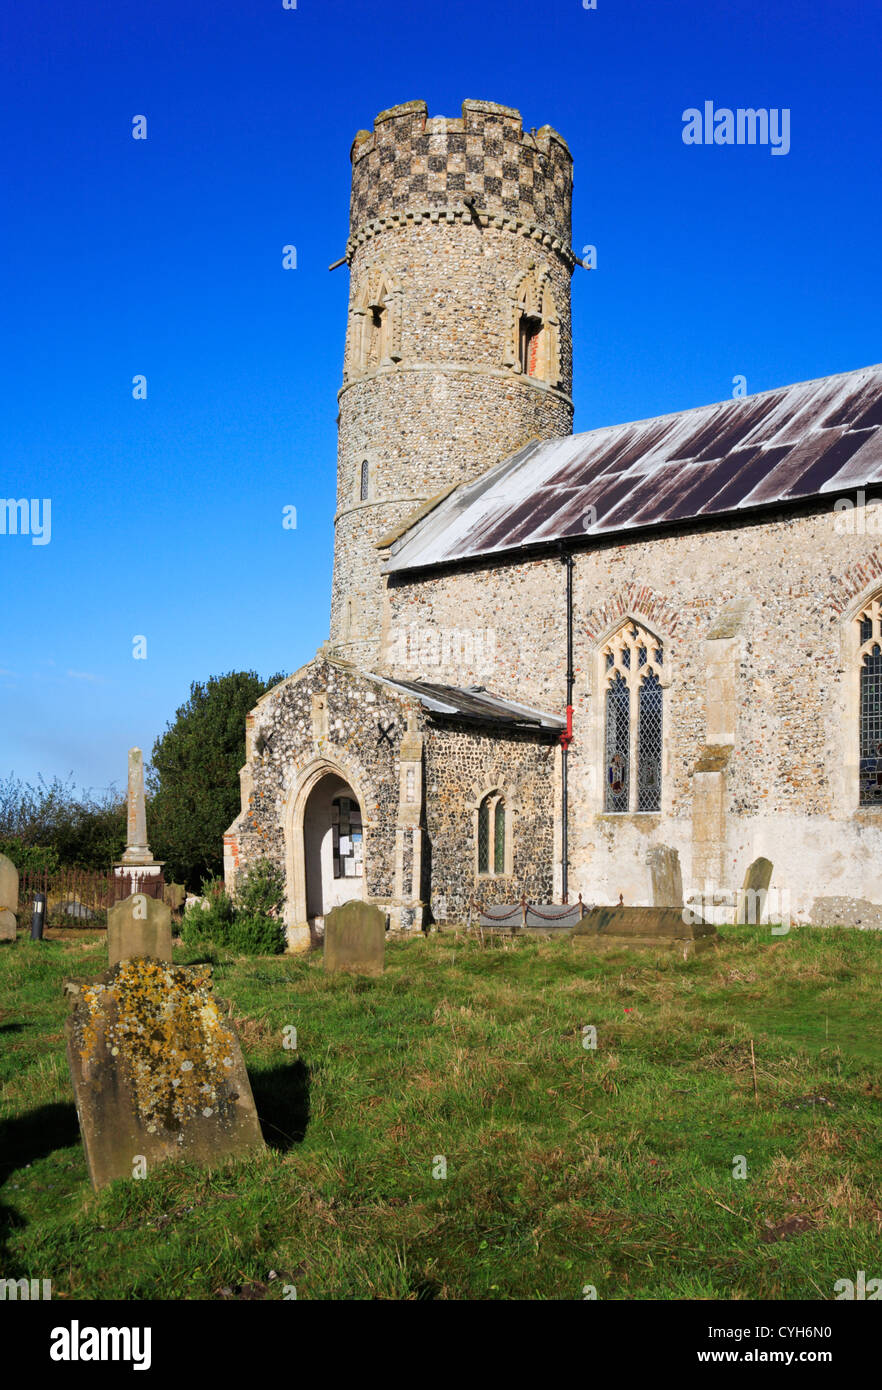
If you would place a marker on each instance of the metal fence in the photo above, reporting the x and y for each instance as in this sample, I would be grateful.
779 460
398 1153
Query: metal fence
72 894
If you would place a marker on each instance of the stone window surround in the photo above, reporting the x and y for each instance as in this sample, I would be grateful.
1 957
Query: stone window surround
847 785
595 732
368 456
530 295
377 290
495 793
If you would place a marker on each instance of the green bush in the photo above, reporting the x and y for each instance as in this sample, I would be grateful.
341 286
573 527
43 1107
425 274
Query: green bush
212 922
247 926
256 935
29 859
261 892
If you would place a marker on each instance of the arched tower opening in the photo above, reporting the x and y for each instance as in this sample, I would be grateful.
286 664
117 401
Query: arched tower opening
458 344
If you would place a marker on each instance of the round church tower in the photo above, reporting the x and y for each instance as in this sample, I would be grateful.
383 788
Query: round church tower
458 345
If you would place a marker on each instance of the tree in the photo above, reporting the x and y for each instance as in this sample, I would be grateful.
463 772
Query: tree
48 825
194 775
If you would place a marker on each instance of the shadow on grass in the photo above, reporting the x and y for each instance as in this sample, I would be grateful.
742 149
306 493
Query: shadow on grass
281 1096
24 1140
27 1138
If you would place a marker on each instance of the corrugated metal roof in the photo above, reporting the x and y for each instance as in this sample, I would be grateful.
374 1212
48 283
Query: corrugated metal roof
786 445
474 702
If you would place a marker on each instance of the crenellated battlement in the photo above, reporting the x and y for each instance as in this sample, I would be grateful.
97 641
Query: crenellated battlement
413 161
458 335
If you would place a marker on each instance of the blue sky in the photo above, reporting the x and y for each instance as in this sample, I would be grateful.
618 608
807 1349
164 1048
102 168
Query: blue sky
163 257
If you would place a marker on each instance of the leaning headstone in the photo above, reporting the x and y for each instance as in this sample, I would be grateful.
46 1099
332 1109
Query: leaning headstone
157 1071
355 939
665 875
138 926
8 898
629 928
752 898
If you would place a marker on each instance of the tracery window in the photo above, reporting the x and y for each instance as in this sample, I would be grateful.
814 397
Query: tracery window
632 665
534 343
870 656
491 834
375 324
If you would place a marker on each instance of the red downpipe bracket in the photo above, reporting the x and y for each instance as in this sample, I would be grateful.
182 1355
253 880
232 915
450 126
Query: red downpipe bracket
567 738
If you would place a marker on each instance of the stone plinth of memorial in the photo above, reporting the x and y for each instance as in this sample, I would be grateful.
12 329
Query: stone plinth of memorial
157 1071
636 928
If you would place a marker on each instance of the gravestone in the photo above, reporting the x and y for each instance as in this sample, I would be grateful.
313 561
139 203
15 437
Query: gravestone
752 898
138 926
157 1071
630 928
174 895
665 876
8 898
355 939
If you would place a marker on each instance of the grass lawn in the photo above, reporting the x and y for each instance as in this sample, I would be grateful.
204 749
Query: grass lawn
566 1166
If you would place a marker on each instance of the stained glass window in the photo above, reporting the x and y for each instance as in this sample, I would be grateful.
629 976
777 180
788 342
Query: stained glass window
871 727
499 837
491 835
634 702
484 836
649 744
618 731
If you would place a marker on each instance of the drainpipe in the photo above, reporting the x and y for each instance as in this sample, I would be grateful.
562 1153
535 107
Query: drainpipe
566 738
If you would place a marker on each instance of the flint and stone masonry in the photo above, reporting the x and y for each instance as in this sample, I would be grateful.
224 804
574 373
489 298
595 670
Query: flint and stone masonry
368 775
453 224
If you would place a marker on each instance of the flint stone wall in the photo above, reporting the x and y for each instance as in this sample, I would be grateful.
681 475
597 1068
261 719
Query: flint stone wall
790 701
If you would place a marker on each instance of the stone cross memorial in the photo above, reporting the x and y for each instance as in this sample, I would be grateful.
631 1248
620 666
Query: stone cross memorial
137 871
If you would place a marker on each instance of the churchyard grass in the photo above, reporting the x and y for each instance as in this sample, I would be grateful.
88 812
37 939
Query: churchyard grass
566 1166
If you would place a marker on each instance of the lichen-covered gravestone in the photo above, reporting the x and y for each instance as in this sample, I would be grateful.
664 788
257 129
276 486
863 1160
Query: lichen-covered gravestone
138 926
157 1071
8 898
355 939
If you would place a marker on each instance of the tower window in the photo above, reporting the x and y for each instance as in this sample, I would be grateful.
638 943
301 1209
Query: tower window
363 486
528 344
375 324
534 345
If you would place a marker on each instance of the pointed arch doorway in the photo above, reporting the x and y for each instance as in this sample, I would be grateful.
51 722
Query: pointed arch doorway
333 847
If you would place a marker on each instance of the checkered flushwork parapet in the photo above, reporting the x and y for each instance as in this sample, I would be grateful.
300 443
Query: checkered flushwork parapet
412 160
